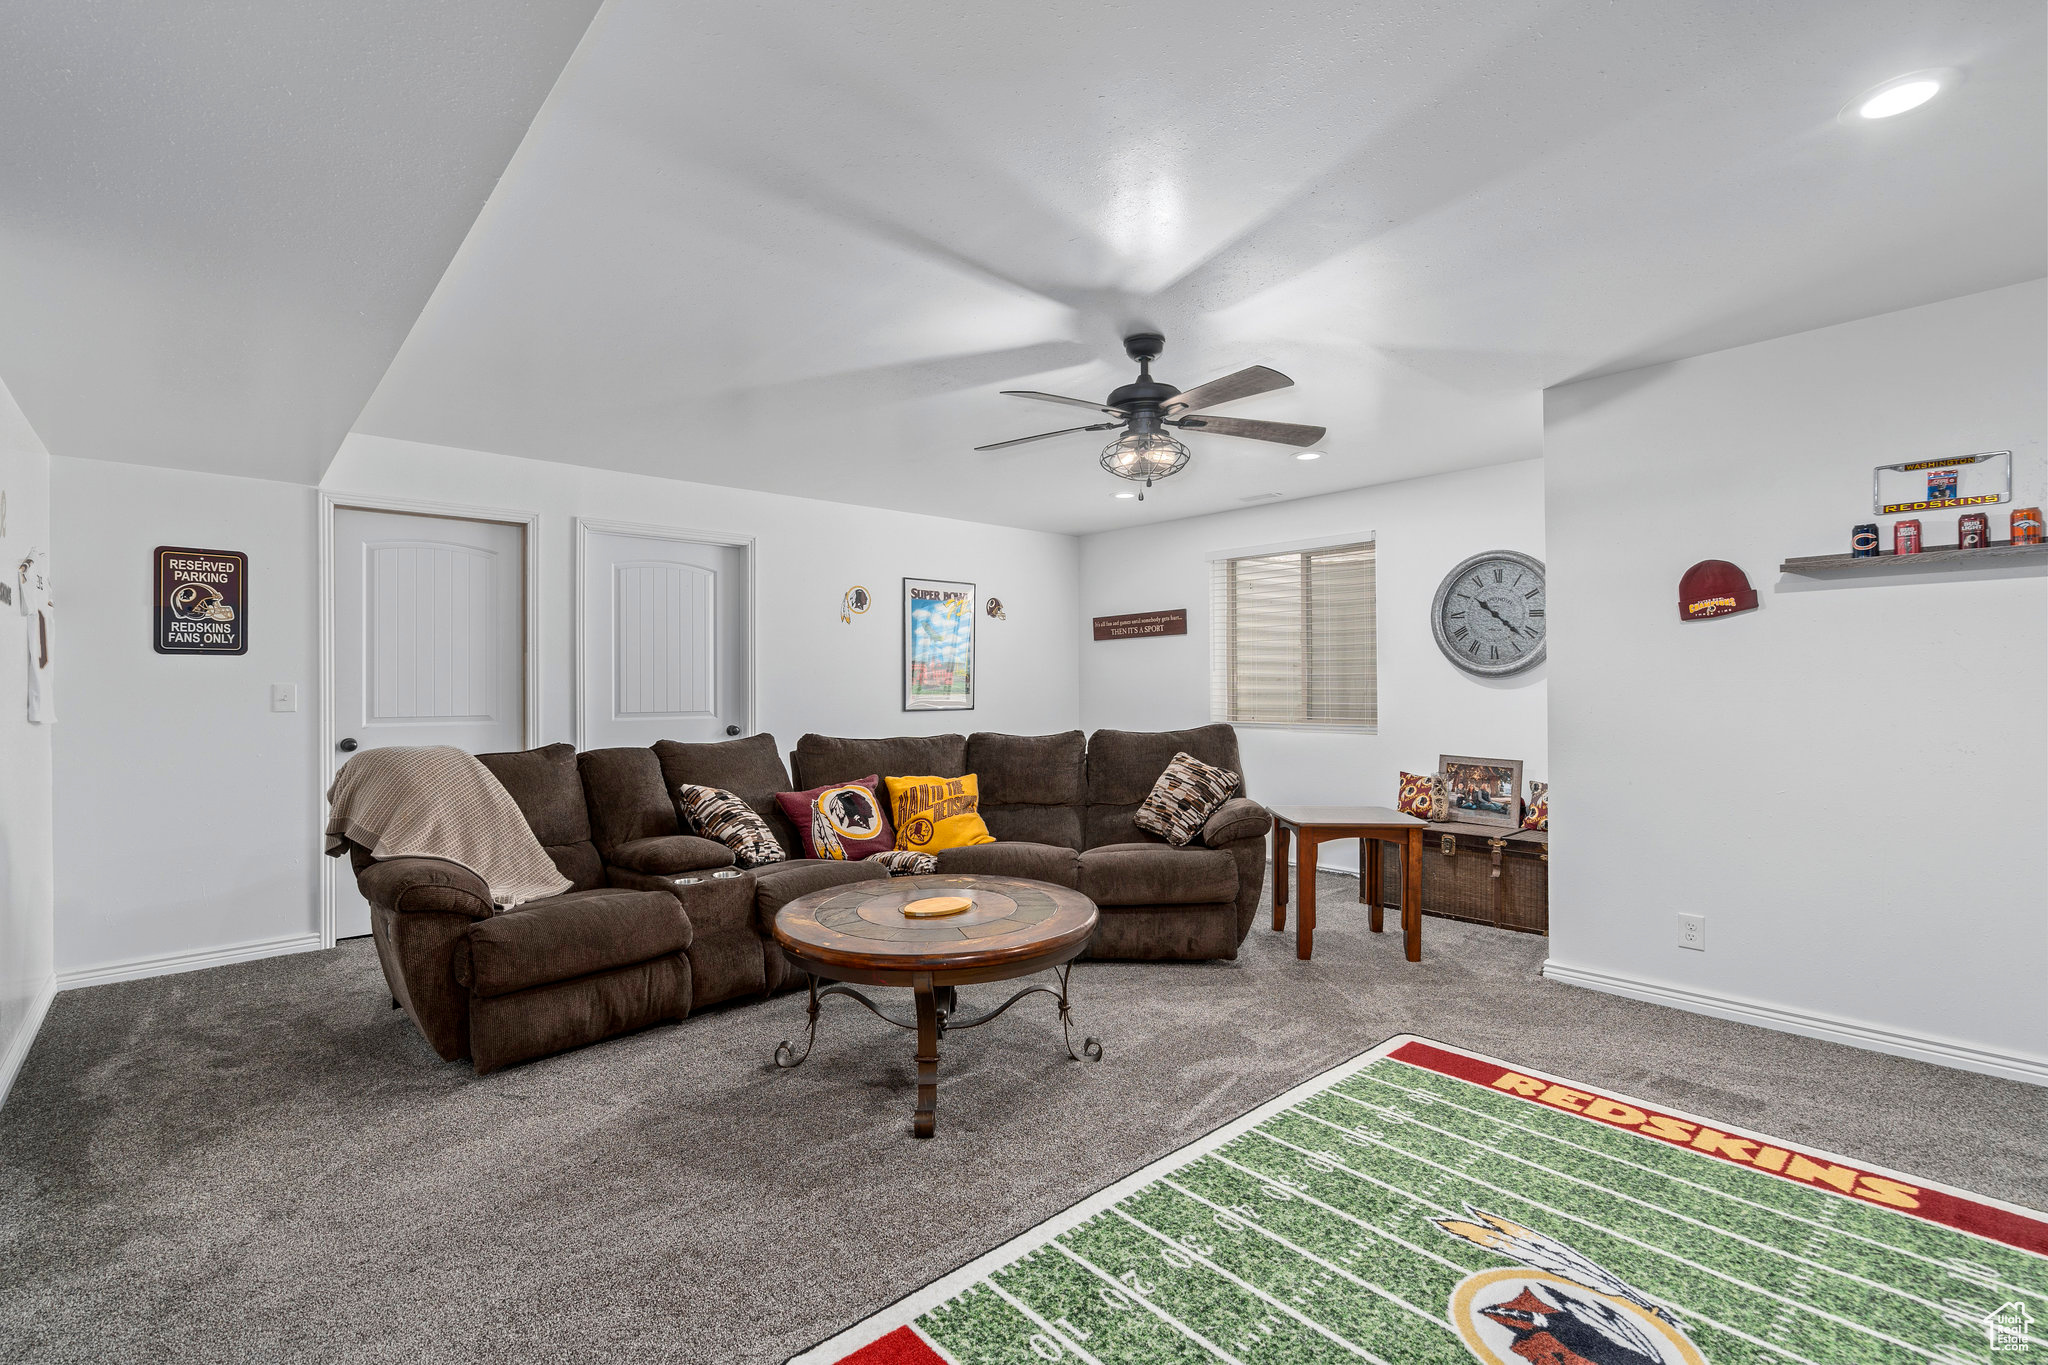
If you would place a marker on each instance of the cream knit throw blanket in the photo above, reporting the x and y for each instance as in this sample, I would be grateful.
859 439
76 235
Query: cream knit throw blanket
440 803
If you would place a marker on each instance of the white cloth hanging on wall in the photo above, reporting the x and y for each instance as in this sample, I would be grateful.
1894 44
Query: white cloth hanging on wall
33 592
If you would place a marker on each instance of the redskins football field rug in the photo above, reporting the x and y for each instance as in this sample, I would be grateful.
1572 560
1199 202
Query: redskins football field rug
1422 1204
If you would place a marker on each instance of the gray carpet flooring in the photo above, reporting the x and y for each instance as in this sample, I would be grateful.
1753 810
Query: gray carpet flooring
264 1162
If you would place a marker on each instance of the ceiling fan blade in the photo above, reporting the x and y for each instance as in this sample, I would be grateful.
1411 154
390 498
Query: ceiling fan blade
1286 433
1230 388
1044 435
1056 398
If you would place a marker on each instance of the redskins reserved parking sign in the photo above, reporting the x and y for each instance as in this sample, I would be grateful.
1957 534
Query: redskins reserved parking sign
202 601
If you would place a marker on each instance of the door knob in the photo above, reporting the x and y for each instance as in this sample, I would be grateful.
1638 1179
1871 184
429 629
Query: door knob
347 746
732 729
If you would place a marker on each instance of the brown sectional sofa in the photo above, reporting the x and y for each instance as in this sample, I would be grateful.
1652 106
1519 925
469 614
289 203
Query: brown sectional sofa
627 946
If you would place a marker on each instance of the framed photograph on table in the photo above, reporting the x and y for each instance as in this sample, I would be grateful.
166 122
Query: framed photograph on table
1483 791
938 645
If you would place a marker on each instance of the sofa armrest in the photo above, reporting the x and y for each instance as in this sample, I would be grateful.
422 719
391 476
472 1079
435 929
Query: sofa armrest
425 885
1238 818
669 854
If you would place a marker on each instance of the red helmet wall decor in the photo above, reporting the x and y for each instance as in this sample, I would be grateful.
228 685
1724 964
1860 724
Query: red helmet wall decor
1714 587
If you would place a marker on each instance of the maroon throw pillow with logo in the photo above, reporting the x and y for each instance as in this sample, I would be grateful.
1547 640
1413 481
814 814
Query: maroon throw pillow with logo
847 821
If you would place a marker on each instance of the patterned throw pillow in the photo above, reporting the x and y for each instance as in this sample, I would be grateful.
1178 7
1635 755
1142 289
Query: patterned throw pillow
937 812
843 821
901 862
1184 798
1419 795
717 814
1536 815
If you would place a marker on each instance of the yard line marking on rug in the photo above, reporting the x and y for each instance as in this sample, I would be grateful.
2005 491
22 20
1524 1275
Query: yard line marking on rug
1933 1262
1055 1332
1938 1310
1251 1288
1508 1194
1395 1238
1433 1319
1075 1300
1175 1323
1690 1310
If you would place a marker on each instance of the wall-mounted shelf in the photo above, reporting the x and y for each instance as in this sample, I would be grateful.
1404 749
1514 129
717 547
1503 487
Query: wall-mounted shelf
1947 557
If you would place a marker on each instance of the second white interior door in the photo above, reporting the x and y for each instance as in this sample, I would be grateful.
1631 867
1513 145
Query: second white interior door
664 640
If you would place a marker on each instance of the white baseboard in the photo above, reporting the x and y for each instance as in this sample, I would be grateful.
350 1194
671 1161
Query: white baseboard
2018 1066
25 1036
139 967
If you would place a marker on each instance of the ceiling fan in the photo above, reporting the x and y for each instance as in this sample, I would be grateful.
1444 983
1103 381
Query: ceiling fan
1146 452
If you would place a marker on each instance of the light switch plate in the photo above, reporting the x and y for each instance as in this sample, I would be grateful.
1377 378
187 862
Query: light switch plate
284 697
1692 932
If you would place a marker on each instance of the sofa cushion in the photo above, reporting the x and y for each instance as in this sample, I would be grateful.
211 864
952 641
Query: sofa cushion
822 759
1184 798
1123 765
626 796
749 768
1032 786
548 789
569 936
841 819
1238 818
675 853
1154 874
780 883
1009 858
717 814
1166 933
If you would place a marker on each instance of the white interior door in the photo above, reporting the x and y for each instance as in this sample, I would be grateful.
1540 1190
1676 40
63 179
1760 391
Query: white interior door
664 640
429 645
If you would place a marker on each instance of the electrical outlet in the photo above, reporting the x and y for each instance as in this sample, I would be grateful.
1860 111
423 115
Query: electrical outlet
1692 932
284 697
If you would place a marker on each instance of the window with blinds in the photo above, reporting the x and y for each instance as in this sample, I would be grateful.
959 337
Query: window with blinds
1292 638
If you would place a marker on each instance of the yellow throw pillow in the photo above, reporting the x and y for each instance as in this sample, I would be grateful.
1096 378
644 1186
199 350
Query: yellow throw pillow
932 813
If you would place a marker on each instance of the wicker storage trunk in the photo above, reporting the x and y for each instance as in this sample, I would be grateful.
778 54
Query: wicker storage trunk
1482 873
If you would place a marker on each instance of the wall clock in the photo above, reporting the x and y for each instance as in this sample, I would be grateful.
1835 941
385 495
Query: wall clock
1490 616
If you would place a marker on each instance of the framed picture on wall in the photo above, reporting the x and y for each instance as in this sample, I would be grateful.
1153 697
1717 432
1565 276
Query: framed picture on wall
938 645
1483 791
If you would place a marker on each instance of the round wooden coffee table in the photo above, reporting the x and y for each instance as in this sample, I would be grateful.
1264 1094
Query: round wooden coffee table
860 933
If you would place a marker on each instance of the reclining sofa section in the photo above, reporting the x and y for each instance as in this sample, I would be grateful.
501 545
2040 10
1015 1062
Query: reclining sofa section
626 947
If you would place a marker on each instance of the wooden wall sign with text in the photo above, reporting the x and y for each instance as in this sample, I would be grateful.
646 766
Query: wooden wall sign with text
1140 624
202 601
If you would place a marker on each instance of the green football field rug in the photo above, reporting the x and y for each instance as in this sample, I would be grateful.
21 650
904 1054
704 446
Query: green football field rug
1423 1204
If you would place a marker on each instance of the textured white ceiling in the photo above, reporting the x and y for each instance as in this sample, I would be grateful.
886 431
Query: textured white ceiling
800 247
219 218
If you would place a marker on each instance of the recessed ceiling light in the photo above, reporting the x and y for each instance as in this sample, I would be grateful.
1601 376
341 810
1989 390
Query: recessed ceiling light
1310 455
1127 495
1899 94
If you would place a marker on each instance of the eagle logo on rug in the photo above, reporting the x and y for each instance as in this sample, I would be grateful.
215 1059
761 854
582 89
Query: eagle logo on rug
1557 1307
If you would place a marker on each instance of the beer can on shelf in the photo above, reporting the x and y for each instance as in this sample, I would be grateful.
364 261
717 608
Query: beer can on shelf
2026 526
1906 537
1973 531
1863 541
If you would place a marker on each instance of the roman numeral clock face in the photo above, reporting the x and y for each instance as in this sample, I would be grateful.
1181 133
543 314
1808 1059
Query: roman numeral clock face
1490 616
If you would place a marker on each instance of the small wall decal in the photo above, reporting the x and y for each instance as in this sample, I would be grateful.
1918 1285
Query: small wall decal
1143 623
855 603
995 608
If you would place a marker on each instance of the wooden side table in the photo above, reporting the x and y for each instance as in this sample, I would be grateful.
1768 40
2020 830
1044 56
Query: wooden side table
1370 825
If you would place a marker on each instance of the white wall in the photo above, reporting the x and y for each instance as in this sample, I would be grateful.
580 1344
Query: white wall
26 865
184 804
1851 783
1423 527
188 813
813 673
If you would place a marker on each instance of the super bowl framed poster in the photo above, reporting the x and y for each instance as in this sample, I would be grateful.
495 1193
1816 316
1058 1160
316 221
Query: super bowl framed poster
202 601
938 645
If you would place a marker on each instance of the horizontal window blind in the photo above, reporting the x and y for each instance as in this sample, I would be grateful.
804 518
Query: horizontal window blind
1292 638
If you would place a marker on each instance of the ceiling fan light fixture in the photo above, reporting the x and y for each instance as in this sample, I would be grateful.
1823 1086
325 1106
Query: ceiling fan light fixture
1144 456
